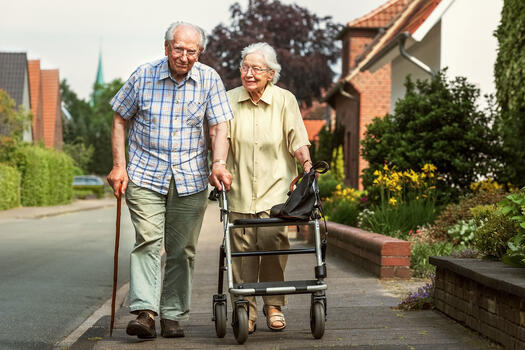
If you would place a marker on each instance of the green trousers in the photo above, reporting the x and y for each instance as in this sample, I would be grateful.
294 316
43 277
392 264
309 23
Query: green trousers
175 222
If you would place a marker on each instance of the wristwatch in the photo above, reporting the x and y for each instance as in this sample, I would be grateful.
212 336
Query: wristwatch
219 161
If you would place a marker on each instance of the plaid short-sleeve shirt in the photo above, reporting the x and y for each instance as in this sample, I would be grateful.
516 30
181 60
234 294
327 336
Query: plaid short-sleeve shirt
167 135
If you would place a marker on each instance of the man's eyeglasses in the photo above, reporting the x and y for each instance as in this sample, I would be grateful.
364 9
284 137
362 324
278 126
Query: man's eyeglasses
255 70
179 51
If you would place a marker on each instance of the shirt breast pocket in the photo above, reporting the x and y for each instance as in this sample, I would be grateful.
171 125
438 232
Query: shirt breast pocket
195 114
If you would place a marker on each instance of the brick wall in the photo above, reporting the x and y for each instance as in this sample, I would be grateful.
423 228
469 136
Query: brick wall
374 89
384 256
495 313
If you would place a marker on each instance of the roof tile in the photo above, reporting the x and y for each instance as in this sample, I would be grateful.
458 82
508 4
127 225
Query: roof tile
381 16
13 66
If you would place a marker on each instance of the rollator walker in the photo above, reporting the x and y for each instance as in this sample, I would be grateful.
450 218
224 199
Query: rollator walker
316 287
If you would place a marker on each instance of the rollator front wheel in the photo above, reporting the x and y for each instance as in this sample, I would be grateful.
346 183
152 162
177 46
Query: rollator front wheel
220 319
317 319
240 324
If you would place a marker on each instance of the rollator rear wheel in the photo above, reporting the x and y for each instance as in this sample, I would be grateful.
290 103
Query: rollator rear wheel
220 319
317 319
240 324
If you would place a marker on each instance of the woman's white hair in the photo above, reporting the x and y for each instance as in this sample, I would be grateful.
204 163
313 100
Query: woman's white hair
269 54
169 33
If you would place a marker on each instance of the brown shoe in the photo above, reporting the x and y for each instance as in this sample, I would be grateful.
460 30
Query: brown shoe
143 327
171 329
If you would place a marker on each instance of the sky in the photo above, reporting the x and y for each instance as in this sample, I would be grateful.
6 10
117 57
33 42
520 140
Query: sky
69 34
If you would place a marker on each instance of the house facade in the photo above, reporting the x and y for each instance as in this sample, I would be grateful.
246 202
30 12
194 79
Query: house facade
402 37
14 79
38 91
452 34
360 96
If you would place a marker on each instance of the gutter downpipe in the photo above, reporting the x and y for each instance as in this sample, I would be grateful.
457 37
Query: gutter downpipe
344 93
411 58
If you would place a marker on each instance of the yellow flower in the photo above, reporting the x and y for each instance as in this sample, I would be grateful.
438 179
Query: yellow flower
392 201
385 168
429 168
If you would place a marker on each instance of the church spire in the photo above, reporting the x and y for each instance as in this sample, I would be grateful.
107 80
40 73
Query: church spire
100 76
99 80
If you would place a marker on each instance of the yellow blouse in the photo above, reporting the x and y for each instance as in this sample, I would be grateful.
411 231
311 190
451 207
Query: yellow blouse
262 140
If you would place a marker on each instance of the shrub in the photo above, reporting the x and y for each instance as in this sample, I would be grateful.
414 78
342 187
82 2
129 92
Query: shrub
343 211
85 191
515 255
437 121
462 233
343 205
327 185
510 91
398 221
419 253
9 187
461 211
47 176
491 238
513 206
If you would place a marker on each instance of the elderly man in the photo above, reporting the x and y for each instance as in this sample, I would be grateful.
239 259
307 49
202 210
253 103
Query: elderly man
169 105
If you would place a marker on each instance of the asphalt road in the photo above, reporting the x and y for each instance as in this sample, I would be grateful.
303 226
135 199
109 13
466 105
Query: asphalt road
55 272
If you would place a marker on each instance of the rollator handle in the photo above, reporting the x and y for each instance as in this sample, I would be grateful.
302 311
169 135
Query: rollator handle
215 193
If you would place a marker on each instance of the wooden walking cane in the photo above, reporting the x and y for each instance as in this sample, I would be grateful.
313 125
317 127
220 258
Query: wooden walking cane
115 262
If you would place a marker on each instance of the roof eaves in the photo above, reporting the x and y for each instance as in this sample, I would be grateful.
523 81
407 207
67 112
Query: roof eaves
372 63
391 31
432 20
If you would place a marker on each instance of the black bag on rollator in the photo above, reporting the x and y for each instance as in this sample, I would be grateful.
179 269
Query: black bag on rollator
301 200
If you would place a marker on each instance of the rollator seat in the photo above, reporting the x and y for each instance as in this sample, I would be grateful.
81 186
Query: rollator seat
282 287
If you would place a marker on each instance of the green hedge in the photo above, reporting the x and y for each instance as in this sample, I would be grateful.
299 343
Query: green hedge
9 187
47 176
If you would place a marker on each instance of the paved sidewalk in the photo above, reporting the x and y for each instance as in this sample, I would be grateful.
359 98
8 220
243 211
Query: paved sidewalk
40 212
360 313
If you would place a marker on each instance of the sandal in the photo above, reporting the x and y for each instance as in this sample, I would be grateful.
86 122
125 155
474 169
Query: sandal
274 315
252 326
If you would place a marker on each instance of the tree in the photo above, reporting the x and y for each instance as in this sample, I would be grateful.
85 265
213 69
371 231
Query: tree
90 126
436 122
13 121
100 128
509 74
305 45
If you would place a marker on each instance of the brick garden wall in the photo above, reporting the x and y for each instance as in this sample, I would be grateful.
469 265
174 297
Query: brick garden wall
478 300
384 256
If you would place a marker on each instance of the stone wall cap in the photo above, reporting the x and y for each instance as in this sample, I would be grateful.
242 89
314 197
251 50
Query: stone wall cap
493 274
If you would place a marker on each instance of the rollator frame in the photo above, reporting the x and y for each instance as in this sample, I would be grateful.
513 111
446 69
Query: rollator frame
316 288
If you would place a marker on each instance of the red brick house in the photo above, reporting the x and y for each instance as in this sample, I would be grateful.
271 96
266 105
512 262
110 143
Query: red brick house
360 96
45 105
316 117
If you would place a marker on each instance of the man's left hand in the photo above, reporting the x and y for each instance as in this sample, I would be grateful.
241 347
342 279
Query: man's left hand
219 174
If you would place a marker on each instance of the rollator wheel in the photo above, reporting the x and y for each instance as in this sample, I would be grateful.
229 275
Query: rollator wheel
240 324
317 319
220 319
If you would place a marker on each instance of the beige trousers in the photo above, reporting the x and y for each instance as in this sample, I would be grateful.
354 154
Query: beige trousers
255 268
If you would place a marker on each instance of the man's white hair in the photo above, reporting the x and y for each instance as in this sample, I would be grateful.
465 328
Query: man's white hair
269 54
169 33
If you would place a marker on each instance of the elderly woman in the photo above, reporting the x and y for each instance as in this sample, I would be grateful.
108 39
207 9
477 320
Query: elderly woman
265 137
